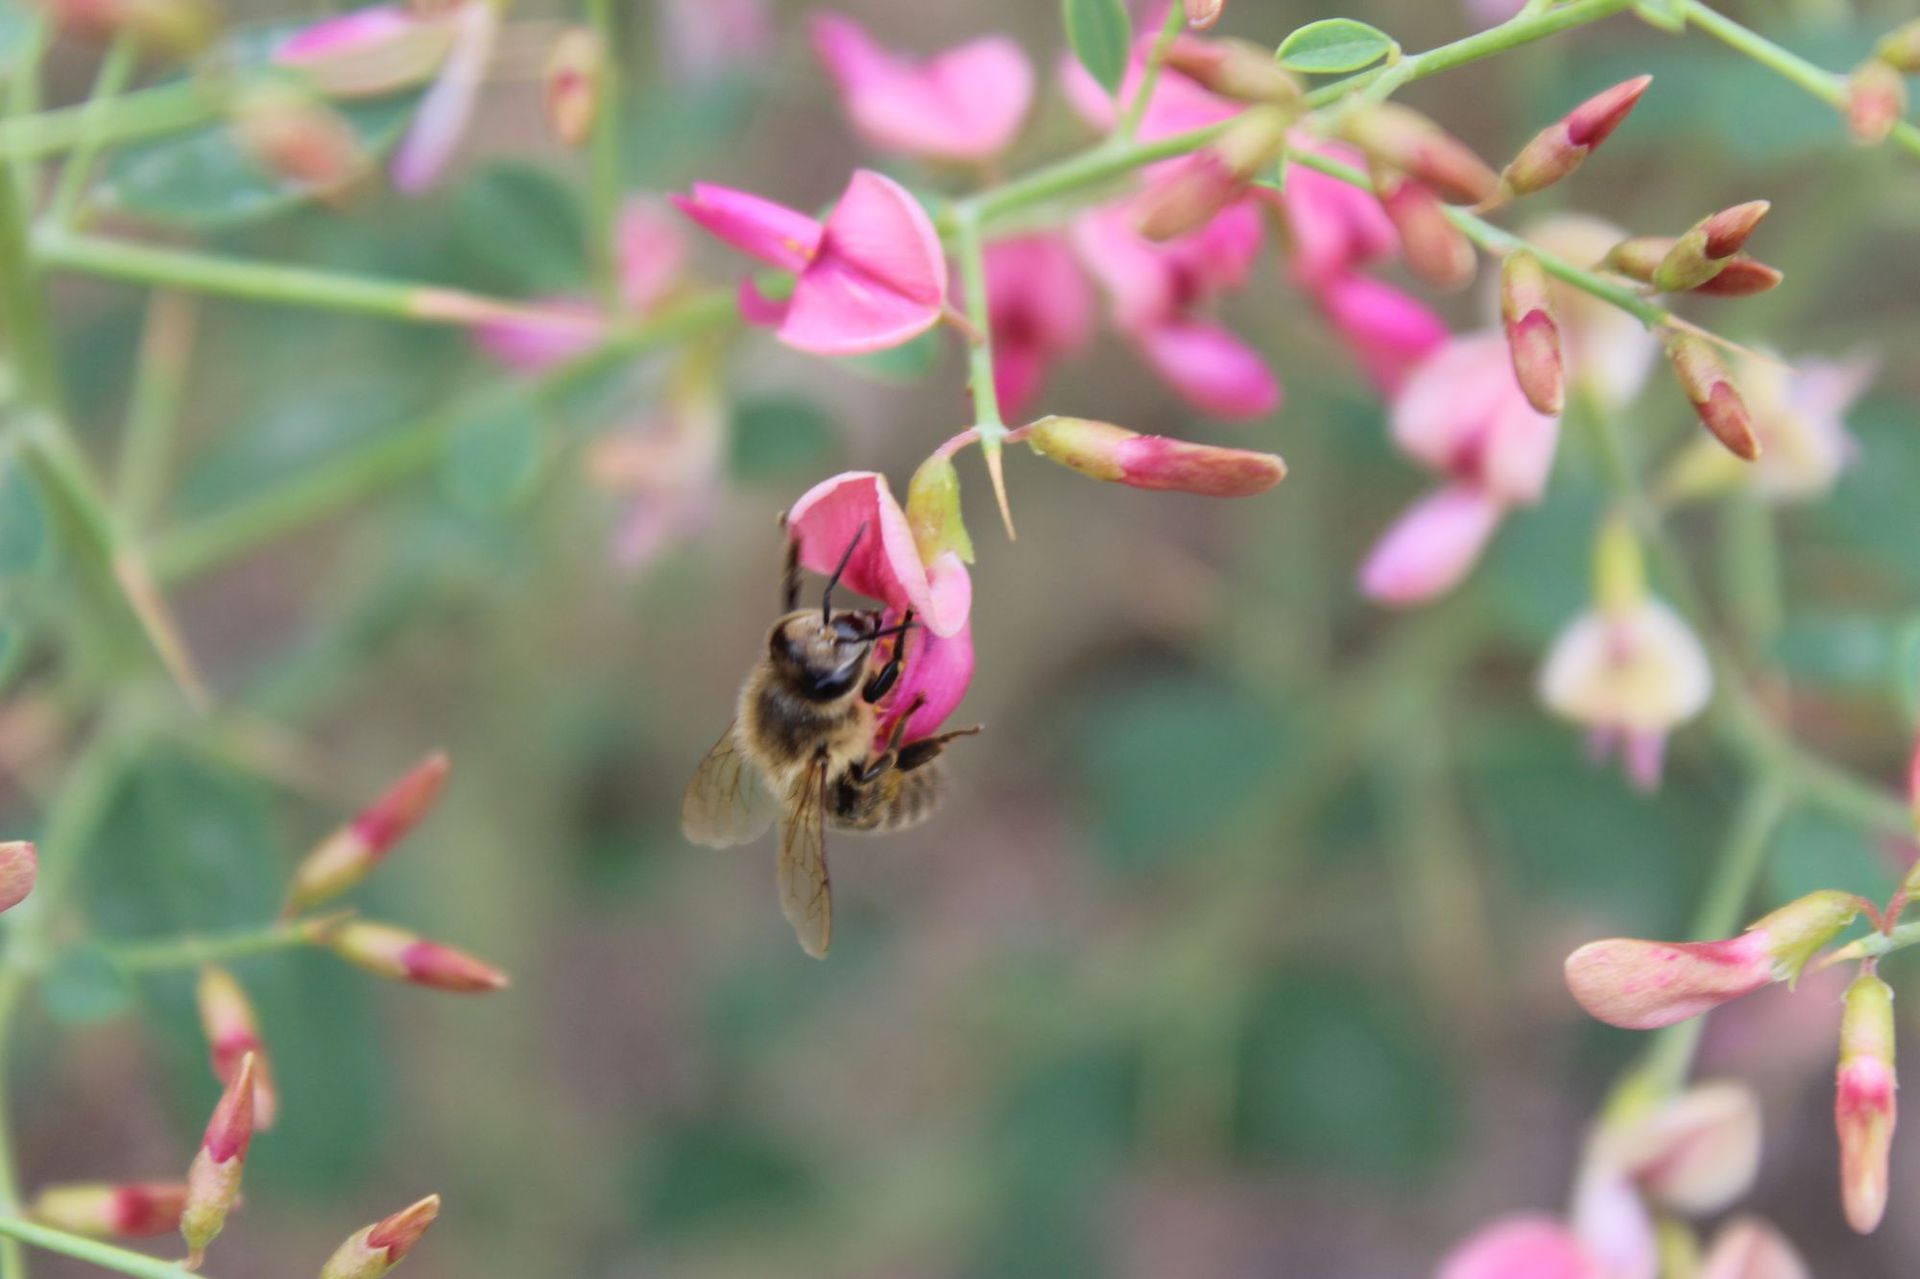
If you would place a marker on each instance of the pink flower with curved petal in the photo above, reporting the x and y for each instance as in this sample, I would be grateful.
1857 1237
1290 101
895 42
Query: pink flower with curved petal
356 31
1040 309
1462 413
871 277
1213 369
1390 332
963 105
1179 103
1333 227
1523 1247
443 114
886 566
1431 547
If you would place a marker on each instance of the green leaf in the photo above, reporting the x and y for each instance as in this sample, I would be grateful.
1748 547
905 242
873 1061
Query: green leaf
493 460
518 230
1845 652
1100 32
1334 46
23 519
774 437
1668 15
84 985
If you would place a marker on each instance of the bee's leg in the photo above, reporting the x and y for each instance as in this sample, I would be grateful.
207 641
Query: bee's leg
890 757
790 580
882 681
923 752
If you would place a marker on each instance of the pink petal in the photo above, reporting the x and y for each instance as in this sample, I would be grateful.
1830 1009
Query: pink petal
1612 1223
1644 985
771 232
964 105
938 670
1179 104
1431 547
443 114
1748 1248
1333 226
878 279
885 565
527 346
1390 332
1138 277
1213 369
651 251
1520 1248
757 308
1041 308
1219 257
1462 412
347 32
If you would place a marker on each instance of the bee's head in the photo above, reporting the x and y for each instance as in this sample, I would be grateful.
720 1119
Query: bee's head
824 659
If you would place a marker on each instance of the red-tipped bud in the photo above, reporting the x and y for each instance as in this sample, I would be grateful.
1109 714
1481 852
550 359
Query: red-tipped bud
351 853
1864 1107
1436 249
1563 146
136 1210
1533 334
575 70
213 1181
1638 258
19 868
378 1248
1900 48
1232 68
1643 985
233 1034
1193 191
1741 277
1108 452
1702 252
402 956
933 511
1202 14
1876 101
1401 138
299 138
1711 391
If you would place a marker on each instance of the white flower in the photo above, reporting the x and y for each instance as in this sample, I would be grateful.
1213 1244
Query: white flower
1630 675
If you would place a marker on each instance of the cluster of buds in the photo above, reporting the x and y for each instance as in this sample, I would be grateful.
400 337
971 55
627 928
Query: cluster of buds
19 867
1708 259
1877 89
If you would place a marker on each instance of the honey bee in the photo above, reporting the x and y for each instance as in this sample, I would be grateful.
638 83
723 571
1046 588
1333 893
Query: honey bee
802 748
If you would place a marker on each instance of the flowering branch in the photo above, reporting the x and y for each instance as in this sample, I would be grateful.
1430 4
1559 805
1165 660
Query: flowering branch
105 1255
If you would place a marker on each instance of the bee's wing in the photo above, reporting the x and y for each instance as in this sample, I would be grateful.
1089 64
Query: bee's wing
727 802
805 898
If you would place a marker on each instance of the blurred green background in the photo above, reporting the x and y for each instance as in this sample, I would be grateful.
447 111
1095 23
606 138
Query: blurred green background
1236 951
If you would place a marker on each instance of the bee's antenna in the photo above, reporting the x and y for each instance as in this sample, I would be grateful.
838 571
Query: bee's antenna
826 596
900 629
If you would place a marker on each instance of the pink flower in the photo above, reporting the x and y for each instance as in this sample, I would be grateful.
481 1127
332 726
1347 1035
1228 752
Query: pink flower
441 119
886 566
1179 103
367 52
650 254
1332 226
1431 547
872 277
1390 332
1522 1247
1156 290
964 105
1040 310
667 469
1865 1108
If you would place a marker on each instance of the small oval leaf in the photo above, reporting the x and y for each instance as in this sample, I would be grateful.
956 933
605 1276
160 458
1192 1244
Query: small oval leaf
1334 46
1100 32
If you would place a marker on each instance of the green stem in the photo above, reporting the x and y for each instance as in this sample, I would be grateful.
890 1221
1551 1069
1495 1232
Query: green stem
13 1261
605 177
1816 80
106 1255
116 69
1735 875
24 91
196 951
1150 75
971 254
168 108
153 405
321 490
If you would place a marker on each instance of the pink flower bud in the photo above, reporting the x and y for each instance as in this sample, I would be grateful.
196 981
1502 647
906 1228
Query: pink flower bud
1108 452
1559 149
1193 191
1900 48
1436 250
575 68
399 955
1202 14
1533 332
1876 101
1232 68
213 1181
1710 389
233 1035
1700 254
933 510
1741 277
351 853
1864 1106
300 139
378 1248
19 868
1749 1248
135 1210
1644 985
1401 138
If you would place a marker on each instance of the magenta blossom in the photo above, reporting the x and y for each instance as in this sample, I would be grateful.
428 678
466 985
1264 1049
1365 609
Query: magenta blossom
886 566
963 106
1391 333
1179 104
1333 227
1156 291
650 254
1040 309
872 277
